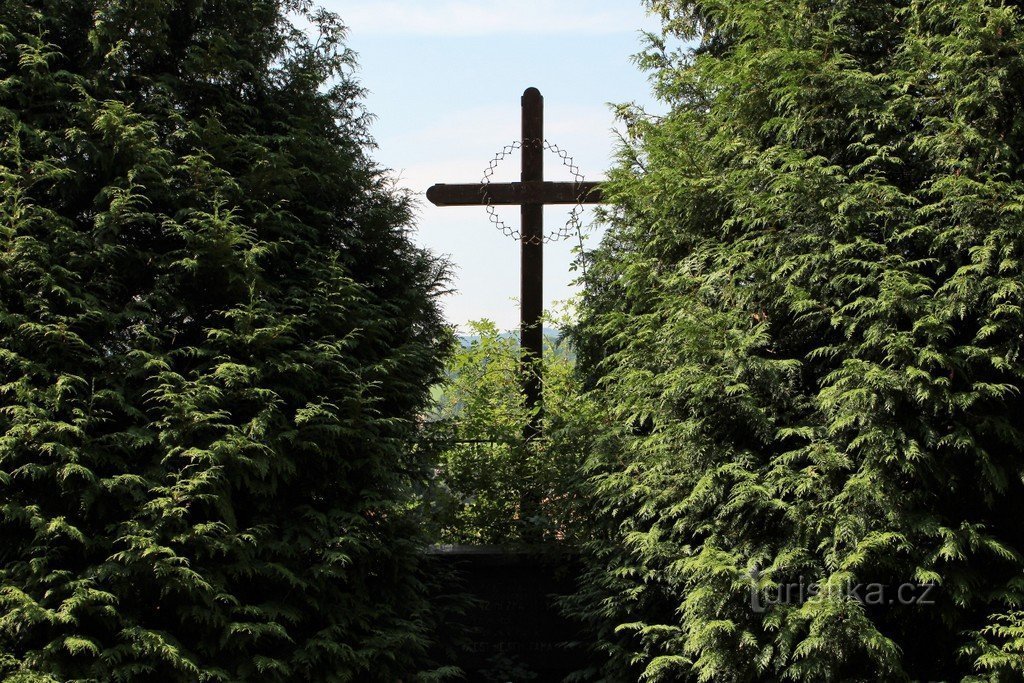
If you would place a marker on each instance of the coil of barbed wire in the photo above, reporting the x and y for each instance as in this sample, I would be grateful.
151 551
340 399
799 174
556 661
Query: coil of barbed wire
572 227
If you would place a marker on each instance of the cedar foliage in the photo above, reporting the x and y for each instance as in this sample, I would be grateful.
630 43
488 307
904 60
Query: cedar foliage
216 339
807 317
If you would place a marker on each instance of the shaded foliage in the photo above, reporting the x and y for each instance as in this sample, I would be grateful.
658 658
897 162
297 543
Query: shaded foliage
216 339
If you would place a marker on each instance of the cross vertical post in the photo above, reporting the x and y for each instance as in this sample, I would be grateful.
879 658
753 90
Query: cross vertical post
531 293
531 194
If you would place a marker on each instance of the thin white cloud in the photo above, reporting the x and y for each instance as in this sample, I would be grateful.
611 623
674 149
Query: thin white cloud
458 148
484 17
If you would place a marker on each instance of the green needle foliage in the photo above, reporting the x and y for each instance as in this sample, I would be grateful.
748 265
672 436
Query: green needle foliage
807 319
216 339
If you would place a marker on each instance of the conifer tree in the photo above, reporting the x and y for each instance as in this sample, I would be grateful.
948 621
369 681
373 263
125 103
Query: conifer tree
807 319
216 339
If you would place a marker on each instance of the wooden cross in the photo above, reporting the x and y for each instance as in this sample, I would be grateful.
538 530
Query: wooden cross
531 194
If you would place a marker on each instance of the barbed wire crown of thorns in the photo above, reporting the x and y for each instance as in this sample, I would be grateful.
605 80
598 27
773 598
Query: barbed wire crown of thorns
572 227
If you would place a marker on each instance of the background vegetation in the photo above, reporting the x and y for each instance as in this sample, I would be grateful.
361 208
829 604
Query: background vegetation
492 487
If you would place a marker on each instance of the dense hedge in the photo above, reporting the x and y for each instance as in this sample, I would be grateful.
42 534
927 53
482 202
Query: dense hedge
216 339
807 319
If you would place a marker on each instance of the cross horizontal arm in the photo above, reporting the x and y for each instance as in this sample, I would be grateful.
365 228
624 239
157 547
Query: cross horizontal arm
532 192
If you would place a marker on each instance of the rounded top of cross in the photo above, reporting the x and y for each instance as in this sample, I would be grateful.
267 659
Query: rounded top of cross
531 92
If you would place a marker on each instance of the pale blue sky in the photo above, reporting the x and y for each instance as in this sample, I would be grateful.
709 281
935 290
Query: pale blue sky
444 80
